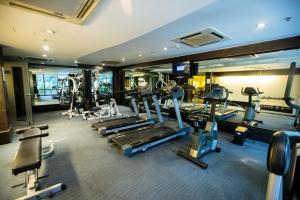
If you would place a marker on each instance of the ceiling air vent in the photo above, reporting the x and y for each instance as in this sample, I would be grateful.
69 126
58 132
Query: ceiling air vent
109 62
204 37
28 59
74 11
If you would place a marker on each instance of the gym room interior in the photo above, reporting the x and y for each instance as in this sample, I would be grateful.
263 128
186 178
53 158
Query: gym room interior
140 99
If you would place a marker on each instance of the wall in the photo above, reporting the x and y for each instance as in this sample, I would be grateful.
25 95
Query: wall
5 128
271 85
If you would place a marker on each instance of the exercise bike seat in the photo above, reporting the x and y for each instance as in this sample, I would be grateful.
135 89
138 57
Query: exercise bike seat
251 91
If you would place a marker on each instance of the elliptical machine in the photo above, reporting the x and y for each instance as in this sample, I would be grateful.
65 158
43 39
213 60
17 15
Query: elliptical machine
283 161
252 107
205 138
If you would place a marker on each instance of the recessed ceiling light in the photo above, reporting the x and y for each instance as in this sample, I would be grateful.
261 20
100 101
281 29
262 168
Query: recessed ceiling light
123 59
140 55
46 47
44 55
103 64
50 31
260 25
165 48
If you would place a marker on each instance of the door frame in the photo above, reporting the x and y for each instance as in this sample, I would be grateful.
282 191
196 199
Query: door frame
11 94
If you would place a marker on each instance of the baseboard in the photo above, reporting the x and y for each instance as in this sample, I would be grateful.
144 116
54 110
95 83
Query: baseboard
6 136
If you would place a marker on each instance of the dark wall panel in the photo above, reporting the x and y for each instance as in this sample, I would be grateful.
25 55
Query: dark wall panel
118 85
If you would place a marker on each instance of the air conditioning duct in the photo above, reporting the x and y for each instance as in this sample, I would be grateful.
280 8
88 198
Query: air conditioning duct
74 11
203 37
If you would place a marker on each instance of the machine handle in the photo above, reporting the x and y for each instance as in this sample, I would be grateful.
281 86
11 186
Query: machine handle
287 94
242 91
259 92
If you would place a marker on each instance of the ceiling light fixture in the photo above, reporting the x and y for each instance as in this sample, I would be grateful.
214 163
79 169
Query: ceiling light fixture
260 25
46 47
103 64
123 59
50 31
287 19
140 55
44 55
165 48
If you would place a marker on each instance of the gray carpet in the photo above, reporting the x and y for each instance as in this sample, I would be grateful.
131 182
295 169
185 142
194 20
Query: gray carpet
92 169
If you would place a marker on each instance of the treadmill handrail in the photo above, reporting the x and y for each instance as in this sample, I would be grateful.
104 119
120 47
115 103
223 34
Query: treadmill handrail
206 96
287 94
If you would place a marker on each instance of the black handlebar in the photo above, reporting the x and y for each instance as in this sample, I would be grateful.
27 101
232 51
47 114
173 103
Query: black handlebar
287 94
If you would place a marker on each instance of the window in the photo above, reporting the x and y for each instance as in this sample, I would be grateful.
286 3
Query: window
40 84
105 82
47 84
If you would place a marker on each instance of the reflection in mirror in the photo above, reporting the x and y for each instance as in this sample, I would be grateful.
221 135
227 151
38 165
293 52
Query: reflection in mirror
266 71
50 86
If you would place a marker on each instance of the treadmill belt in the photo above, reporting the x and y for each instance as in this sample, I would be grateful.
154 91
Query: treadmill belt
193 108
117 122
143 135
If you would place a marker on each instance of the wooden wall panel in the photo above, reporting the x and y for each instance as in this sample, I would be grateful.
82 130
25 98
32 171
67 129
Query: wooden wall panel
5 127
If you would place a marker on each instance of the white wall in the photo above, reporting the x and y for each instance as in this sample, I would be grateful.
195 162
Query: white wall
271 85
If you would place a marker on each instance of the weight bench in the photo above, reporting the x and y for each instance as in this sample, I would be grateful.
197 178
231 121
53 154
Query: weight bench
34 131
28 160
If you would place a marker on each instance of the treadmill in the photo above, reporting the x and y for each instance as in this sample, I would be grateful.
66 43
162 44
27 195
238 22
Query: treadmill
143 138
113 126
225 112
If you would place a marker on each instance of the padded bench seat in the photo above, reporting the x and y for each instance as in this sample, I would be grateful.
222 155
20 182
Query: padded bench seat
32 133
28 156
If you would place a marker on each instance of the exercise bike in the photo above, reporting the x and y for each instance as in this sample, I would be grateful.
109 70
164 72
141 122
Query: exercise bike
252 107
283 160
205 139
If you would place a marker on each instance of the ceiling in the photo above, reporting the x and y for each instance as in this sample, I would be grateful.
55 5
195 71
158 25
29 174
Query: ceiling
126 28
236 19
113 22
